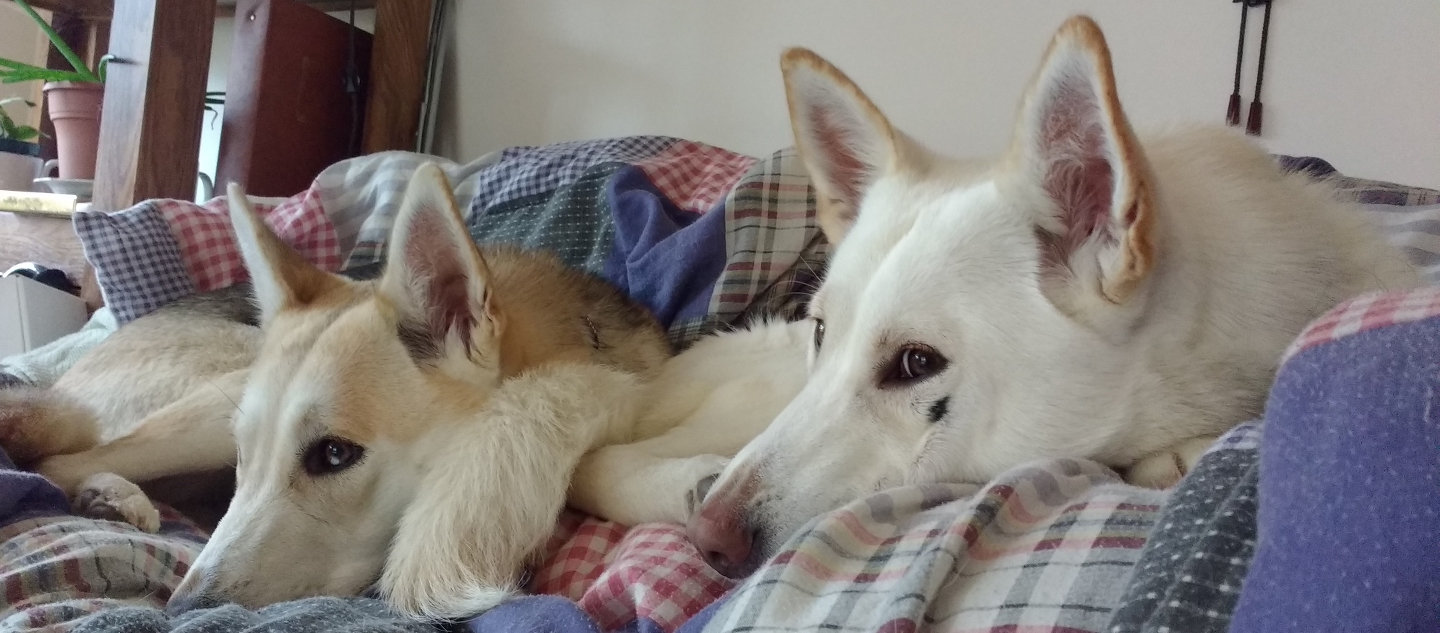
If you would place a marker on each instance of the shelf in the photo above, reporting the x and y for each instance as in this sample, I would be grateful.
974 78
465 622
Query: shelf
226 8
102 9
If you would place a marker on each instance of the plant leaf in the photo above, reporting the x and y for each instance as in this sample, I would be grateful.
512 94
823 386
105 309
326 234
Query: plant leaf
60 45
102 67
12 71
17 76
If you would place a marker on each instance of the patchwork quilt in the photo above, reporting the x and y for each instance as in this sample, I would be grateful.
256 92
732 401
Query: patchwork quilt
702 236
706 239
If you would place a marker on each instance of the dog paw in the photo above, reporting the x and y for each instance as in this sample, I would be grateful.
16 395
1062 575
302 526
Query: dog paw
1158 471
709 468
1166 468
111 497
696 496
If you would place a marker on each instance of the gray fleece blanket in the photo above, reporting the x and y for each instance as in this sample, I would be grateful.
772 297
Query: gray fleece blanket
1189 575
312 615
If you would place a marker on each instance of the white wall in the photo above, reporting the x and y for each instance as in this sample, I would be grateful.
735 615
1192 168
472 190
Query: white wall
21 40
1357 83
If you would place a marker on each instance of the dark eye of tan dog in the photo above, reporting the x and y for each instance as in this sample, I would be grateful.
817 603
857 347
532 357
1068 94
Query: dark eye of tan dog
912 364
331 455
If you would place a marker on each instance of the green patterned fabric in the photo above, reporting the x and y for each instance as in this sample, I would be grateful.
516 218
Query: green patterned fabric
574 221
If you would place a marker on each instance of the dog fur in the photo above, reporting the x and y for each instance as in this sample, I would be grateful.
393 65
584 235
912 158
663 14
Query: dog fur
465 386
1093 293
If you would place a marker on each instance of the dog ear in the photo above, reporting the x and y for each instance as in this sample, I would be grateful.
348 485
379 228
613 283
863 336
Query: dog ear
435 275
842 138
1073 140
281 277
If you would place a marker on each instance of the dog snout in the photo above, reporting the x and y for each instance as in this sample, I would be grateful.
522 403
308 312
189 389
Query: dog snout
190 601
195 592
723 533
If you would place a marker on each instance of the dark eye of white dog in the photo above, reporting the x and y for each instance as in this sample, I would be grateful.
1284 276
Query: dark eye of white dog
912 364
819 332
331 455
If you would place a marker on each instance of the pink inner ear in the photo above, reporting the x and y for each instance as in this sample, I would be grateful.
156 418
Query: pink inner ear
435 260
846 171
1077 173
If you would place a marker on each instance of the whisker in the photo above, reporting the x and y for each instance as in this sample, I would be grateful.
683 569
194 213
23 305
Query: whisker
227 396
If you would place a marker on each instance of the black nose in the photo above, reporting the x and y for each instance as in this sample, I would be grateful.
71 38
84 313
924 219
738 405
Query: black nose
182 602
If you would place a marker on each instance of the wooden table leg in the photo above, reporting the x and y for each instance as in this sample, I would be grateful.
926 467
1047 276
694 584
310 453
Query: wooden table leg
397 74
90 290
154 101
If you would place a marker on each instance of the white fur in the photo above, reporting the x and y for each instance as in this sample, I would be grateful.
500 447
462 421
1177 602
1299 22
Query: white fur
704 406
1042 362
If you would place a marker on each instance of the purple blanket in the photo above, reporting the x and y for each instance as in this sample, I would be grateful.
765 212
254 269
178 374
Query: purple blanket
27 495
1349 520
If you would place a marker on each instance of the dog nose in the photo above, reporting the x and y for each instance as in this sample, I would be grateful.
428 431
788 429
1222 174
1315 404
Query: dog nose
725 547
724 537
196 591
190 601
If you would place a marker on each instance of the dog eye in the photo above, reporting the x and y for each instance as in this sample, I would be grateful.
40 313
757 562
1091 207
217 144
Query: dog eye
819 332
912 364
331 455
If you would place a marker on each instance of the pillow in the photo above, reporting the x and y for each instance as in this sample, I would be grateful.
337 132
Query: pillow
163 250
344 219
207 243
137 263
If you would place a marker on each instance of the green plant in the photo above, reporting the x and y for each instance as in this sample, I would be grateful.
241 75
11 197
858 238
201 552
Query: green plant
12 71
214 98
11 130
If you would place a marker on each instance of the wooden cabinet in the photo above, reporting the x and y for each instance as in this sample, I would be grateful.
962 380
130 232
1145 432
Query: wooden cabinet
150 135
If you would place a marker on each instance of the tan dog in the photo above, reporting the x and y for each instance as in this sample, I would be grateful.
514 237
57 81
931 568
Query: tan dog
424 424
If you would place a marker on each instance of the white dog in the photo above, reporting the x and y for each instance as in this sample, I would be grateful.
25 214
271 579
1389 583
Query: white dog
1093 293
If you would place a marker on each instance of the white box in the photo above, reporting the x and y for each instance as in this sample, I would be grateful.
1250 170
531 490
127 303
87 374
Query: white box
33 314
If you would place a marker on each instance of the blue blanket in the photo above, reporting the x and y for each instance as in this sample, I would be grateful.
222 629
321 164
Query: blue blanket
1349 520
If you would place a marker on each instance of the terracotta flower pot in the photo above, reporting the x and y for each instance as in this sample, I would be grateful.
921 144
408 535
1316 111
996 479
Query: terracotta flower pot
75 109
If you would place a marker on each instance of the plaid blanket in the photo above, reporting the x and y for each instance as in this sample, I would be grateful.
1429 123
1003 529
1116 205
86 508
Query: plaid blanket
1042 547
704 237
1045 547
